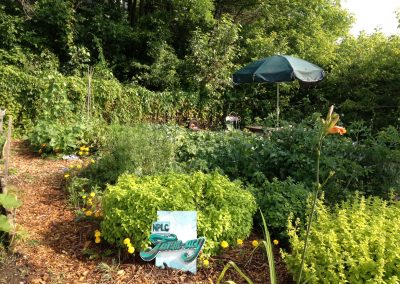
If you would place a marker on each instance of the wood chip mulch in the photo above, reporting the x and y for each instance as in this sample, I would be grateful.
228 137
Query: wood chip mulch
51 242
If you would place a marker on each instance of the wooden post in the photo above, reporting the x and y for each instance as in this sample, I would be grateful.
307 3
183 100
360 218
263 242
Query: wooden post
89 91
7 150
10 213
2 114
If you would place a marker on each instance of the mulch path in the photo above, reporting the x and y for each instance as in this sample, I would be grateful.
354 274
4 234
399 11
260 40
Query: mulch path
51 242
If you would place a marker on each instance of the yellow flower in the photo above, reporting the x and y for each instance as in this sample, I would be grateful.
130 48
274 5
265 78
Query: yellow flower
276 242
89 202
127 241
82 148
97 233
83 196
254 243
224 244
92 194
80 153
88 213
71 166
66 176
97 240
78 167
131 249
206 263
92 161
239 242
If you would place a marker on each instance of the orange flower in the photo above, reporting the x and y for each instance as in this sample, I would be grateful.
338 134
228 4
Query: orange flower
337 129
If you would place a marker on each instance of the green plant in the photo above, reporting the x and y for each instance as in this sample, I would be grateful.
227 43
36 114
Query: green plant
8 201
224 209
323 128
77 187
61 125
49 137
355 242
279 199
142 149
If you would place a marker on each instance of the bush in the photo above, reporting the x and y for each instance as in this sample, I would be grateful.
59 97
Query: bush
236 154
356 242
141 150
225 210
370 166
55 137
278 200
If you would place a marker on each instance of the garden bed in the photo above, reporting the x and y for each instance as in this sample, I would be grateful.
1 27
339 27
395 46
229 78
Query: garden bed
56 247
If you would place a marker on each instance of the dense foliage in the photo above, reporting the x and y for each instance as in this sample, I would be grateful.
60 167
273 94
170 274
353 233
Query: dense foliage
367 165
141 150
172 60
225 210
279 200
355 242
279 167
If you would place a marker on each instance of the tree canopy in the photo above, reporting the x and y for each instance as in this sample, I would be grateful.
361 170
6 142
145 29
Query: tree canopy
194 46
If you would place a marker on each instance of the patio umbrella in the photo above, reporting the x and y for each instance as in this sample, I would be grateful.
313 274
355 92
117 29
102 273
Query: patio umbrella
276 69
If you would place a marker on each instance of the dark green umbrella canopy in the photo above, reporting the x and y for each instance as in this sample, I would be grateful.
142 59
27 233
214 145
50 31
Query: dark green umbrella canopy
279 68
276 69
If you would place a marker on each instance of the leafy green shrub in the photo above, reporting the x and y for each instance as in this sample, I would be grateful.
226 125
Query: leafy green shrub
381 156
370 166
61 125
356 242
225 210
236 154
142 150
279 199
56 137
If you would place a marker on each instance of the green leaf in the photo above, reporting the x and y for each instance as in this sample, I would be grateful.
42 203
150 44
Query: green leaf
238 270
4 224
9 201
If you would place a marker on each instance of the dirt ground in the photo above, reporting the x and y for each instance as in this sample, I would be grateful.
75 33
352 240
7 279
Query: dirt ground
53 246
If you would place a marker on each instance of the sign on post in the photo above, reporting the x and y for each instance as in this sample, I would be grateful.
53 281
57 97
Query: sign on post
174 240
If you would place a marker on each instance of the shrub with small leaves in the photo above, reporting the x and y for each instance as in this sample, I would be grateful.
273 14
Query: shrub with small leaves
224 209
356 242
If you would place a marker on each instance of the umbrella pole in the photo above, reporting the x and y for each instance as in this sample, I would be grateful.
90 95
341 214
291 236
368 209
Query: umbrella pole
277 105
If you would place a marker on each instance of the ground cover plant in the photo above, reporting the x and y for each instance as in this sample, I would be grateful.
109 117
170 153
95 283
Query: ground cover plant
356 242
